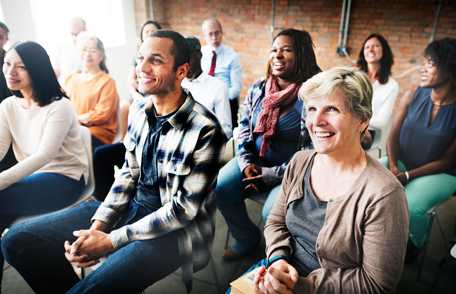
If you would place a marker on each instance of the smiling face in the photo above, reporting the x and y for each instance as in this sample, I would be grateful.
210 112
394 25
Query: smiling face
282 58
148 30
373 51
156 73
333 128
16 75
430 76
91 56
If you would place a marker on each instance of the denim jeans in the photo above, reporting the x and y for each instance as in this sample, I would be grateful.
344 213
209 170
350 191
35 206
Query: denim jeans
96 143
37 194
35 249
104 160
423 193
230 199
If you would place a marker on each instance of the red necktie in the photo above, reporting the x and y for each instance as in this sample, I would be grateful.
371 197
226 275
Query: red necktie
213 62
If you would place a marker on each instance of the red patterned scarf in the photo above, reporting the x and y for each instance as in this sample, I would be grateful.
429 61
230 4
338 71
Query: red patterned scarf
274 101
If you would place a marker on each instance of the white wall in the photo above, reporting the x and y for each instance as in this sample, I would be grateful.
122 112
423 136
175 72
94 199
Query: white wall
18 17
119 59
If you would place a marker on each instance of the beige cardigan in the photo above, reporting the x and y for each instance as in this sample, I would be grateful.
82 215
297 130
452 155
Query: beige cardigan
362 243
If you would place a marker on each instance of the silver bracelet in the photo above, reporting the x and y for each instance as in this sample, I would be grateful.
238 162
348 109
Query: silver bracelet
407 175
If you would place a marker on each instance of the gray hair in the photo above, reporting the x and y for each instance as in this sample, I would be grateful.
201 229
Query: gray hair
353 82
84 38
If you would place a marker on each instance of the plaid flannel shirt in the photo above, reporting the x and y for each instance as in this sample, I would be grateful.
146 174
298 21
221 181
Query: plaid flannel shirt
188 157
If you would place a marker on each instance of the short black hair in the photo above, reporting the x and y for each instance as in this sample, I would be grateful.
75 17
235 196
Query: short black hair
443 53
4 27
148 22
194 44
179 49
306 62
46 88
386 62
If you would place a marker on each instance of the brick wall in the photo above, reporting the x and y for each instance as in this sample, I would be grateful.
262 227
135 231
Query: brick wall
406 24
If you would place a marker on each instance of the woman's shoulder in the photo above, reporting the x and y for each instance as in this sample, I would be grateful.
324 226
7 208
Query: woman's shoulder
258 84
62 102
390 85
421 95
62 105
71 78
10 102
392 82
104 78
301 157
378 181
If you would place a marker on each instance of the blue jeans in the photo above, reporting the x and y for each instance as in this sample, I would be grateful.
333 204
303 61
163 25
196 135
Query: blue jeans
230 201
37 194
104 160
35 249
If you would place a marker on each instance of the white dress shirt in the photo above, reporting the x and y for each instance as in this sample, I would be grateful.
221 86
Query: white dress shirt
227 68
212 94
383 99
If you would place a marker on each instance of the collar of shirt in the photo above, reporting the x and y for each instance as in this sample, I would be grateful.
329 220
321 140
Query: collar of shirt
200 79
178 119
219 50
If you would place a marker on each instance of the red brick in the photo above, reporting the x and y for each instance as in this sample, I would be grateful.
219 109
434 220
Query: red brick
407 24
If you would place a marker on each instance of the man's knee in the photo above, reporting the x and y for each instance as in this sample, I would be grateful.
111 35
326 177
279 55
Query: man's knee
226 195
222 198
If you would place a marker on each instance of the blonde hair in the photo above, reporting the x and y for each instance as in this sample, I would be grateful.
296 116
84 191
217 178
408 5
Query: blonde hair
353 82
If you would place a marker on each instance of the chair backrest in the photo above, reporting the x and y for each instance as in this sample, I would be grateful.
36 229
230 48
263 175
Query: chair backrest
87 140
230 147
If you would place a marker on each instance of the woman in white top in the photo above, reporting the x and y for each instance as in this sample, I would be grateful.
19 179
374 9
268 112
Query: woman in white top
376 59
41 125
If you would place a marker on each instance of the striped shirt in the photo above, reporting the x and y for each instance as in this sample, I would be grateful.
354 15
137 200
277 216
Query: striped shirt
188 156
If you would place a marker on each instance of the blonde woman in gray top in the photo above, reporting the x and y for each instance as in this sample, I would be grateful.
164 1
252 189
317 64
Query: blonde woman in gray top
41 125
340 223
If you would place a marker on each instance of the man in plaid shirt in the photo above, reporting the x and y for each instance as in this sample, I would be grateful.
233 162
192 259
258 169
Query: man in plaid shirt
158 214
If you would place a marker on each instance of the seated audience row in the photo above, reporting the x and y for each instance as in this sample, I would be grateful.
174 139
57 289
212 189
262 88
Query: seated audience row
308 249
159 210
163 197
346 237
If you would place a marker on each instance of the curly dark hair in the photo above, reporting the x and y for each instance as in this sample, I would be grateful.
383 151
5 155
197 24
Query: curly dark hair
386 62
443 53
306 63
